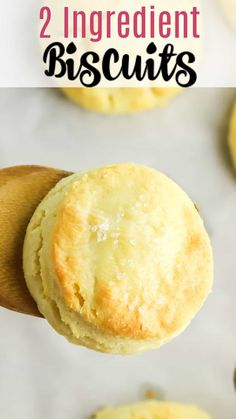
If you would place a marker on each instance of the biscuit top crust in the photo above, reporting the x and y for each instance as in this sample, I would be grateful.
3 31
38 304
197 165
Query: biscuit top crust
131 253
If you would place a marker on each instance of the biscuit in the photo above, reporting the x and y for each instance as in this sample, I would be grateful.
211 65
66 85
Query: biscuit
120 100
152 410
117 258
232 135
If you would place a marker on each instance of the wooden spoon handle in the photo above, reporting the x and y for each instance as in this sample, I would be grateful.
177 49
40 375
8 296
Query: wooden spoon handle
21 190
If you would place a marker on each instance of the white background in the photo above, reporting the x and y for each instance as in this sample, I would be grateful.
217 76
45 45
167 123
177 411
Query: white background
44 377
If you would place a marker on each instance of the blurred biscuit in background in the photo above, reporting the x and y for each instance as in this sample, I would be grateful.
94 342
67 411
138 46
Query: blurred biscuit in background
152 410
120 100
232 135
229 9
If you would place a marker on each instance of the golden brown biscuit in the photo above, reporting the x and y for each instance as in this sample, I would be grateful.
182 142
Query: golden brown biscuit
152 410
118 259
120 100
232 135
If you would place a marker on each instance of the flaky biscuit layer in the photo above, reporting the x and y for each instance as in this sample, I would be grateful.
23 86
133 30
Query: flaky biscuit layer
118 259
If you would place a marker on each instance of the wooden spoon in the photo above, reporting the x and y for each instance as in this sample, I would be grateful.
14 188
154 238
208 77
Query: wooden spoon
21 190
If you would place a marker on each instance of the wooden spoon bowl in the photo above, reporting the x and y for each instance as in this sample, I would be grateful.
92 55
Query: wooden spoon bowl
21 190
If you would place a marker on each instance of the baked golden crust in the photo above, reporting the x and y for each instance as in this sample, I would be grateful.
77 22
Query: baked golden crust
152 410
120 100
232 135
124 258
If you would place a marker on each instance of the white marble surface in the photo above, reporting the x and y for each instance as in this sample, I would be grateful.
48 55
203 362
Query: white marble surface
44 377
